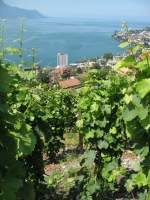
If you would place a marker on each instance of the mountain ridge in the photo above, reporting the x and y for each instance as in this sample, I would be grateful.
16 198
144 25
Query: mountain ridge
7 11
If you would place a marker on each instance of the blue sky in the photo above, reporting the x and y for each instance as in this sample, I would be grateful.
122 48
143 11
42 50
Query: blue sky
134 9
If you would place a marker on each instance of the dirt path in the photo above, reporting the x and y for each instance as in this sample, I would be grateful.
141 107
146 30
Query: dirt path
61 177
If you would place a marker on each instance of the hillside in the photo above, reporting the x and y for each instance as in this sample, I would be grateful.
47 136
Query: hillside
7 11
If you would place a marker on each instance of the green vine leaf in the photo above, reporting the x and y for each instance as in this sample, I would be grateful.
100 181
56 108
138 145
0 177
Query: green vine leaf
143 87
129 115
89 157
79 123
140 179
103 144
129 185
124 45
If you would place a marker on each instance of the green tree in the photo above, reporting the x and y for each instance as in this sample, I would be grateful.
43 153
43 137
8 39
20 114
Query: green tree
108 56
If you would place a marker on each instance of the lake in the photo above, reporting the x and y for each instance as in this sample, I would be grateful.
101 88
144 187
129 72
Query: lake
80 38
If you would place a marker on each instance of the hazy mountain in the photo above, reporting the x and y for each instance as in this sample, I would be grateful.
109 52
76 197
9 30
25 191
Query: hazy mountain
7 11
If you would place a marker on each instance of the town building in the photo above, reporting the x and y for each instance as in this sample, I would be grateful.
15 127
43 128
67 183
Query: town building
36 69
58 72
62 60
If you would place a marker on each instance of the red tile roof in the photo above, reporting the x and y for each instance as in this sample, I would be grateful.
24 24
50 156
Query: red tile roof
70 83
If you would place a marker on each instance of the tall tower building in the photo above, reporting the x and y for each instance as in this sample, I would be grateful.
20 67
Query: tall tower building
62 60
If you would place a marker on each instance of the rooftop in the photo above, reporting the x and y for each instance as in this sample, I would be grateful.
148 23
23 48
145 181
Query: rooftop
70 83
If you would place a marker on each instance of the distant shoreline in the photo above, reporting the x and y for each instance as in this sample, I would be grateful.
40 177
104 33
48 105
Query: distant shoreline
80 39
139 36
7 11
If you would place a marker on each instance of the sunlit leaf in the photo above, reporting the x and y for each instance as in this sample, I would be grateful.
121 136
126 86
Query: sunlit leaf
124 44
143 87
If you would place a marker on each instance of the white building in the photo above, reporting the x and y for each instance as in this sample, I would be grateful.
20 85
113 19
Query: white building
62 60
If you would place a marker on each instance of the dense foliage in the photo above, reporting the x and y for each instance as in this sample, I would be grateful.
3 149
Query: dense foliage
114 118
33 121
102 125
